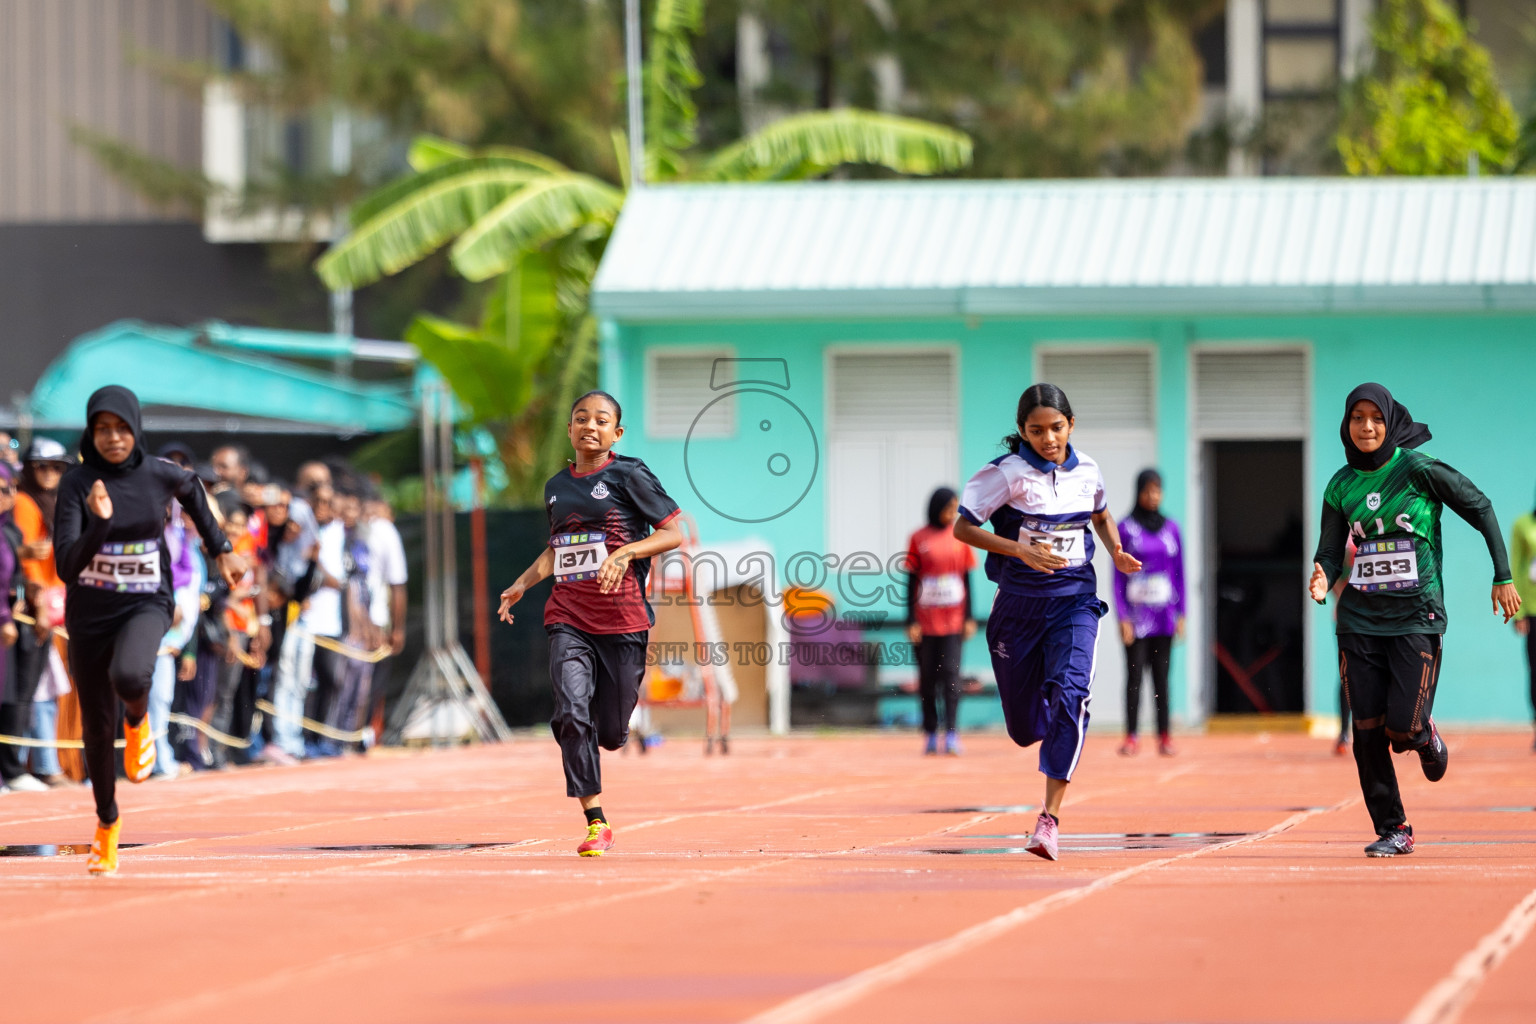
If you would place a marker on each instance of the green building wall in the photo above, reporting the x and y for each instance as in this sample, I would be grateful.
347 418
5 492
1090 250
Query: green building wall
1470 377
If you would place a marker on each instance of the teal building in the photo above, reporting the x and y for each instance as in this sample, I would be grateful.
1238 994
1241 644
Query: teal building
803 363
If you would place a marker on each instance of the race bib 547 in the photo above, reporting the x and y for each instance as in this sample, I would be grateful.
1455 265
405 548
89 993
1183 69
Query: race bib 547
1066 539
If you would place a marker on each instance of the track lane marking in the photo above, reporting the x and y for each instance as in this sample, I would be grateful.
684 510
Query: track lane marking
819 1002
1444 1003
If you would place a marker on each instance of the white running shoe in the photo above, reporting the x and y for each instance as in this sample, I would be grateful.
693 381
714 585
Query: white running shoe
27 784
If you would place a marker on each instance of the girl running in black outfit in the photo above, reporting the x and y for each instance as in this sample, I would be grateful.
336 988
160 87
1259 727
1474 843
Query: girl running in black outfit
601 512
109 546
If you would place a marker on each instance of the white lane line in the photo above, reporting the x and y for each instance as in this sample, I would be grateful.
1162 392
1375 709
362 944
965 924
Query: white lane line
819 1002
1443 1003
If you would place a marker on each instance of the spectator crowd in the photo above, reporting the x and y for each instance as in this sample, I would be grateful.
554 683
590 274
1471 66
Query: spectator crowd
289 664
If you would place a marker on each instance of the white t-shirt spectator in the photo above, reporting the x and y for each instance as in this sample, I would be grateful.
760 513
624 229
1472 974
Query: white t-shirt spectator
386 568
322 614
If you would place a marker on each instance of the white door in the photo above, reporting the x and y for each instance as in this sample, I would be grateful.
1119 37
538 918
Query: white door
1112 400
892 440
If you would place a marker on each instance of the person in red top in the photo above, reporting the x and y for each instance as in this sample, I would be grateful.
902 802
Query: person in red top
939 614
602 511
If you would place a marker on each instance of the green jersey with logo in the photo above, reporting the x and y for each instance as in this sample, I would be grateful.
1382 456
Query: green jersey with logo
1393 516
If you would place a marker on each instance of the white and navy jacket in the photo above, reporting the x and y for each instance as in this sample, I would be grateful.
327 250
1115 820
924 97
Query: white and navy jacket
1023 493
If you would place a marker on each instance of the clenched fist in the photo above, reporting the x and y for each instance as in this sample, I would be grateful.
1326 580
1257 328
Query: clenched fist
99 501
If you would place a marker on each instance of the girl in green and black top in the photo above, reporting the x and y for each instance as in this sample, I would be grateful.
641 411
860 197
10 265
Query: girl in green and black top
1392 614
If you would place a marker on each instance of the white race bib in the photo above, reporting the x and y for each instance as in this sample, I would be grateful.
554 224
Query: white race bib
578 556
1149 590
943 591
130 568
1385 565
1066 539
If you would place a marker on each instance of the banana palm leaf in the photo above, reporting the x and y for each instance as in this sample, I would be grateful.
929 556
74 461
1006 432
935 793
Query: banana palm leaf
672 74
543 210
429 151
484 373
523 310
807 145
411 218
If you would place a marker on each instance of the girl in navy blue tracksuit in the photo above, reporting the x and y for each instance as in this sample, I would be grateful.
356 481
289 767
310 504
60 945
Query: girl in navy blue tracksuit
1044 625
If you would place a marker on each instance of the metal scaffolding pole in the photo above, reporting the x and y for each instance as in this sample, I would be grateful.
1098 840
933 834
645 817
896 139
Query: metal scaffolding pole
445 700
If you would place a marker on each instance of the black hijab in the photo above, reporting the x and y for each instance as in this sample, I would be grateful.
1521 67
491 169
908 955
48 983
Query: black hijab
1150 520
124 404
937 503
1402 431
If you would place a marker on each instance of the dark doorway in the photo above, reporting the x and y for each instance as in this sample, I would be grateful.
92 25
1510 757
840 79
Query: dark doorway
1260 573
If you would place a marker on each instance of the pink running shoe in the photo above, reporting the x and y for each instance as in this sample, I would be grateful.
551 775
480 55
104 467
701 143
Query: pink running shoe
1129 747
599 840
1042 843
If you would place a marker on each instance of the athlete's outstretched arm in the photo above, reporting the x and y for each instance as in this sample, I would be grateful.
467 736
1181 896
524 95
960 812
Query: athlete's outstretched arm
1328 560
77 533
188 490
1463 497
1104 526
541 569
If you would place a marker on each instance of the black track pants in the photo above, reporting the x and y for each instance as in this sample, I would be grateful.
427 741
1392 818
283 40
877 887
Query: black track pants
16 711
108 667
1389 682
938 672
1148 652
1530 657
596 679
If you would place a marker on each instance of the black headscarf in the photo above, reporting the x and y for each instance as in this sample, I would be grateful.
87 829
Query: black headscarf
124 404
1150 520
1402 431
937 503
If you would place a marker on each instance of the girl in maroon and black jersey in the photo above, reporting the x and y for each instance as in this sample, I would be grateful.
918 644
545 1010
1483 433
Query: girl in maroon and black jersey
602 510
939 614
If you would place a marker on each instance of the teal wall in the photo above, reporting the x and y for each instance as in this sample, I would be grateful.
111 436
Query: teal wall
1471 377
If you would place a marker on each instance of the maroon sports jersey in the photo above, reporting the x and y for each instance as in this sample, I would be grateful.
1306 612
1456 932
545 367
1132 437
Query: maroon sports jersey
622 500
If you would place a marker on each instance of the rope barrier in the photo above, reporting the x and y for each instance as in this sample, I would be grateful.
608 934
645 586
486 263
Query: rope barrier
223 738
372 657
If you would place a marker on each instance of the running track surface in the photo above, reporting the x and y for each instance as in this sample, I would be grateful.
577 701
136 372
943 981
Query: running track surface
796 880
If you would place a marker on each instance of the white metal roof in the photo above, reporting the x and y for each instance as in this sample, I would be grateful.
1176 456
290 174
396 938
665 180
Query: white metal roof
1022 247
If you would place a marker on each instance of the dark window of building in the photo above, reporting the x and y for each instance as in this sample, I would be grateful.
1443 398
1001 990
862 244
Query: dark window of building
1211 44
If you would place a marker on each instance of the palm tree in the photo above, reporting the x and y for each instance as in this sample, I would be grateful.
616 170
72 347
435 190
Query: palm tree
538 228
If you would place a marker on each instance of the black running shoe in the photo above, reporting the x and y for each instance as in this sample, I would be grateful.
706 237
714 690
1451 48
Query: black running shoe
1433 756
1394 844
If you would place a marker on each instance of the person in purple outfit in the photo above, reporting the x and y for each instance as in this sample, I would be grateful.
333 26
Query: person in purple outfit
1150 605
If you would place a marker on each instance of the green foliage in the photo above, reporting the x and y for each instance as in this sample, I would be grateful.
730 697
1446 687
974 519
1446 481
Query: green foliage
540 228
812 144
1429 101
1046 88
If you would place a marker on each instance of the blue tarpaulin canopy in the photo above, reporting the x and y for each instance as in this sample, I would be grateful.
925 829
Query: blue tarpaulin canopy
216 376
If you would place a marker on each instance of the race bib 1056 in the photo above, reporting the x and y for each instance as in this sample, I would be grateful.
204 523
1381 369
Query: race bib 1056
1385 565
1066 539
127 568
578 556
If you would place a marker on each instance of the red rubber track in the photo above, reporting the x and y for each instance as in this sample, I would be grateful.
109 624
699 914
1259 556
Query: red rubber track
791 881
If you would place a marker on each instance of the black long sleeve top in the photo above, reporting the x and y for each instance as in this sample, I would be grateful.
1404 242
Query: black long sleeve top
91 552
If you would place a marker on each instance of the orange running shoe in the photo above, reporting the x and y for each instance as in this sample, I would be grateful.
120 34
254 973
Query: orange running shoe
138 750
599 840
104 849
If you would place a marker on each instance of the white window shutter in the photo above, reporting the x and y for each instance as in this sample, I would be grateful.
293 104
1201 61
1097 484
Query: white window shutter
1251 394
1108 390
680 391
880 393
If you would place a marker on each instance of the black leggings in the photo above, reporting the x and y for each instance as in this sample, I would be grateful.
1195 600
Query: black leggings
1147 652
107 667
1530 657
938 672
16 710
